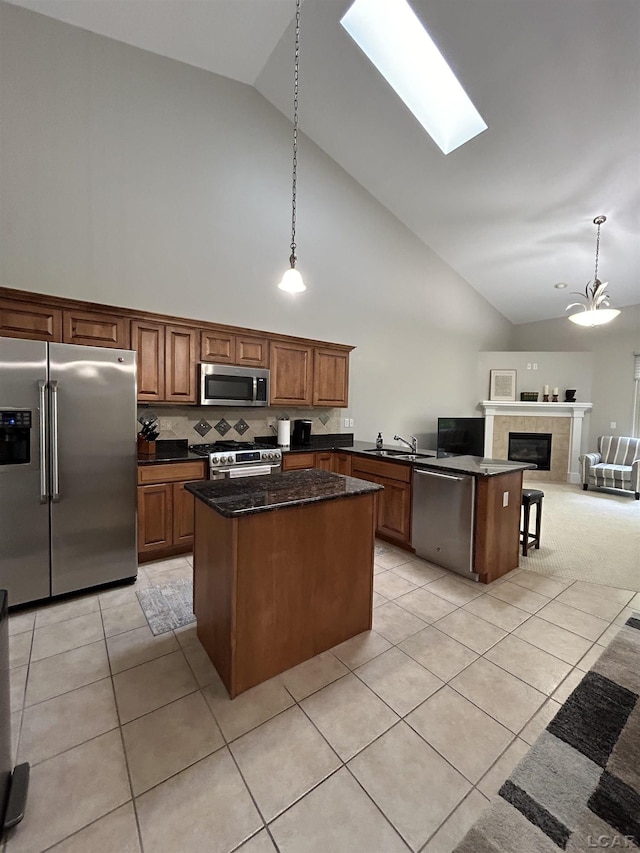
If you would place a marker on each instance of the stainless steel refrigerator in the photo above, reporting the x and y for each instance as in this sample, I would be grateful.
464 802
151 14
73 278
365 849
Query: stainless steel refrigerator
67 468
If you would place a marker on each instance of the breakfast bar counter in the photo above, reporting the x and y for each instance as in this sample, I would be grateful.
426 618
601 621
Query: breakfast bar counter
283 569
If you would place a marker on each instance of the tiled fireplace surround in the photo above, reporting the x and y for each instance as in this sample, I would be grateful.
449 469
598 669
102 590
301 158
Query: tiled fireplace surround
562 420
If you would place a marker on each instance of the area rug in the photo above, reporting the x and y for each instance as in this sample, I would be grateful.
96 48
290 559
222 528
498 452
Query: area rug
168 605
578 787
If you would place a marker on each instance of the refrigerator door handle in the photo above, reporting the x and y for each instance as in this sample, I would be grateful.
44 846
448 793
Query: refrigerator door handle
55 471
44 473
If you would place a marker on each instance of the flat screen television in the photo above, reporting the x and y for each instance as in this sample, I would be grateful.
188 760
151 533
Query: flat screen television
461 436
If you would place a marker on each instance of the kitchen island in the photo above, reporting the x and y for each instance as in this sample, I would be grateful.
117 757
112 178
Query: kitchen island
283 569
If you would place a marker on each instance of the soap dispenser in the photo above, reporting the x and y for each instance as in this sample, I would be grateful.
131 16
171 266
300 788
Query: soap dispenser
379 441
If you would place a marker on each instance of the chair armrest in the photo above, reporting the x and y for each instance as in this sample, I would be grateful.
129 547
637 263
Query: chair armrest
586 461
635 475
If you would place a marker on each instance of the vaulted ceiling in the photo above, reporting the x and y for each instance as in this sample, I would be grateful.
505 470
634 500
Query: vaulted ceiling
557 81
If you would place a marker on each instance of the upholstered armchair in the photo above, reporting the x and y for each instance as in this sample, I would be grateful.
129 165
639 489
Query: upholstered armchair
616 465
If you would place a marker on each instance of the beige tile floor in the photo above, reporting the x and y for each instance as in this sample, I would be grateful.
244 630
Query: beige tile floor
395 740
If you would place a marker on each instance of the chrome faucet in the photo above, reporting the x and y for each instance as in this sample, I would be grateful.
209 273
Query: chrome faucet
412 445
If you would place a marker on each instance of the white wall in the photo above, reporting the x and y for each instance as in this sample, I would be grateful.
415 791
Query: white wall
560 370
130 179
611 349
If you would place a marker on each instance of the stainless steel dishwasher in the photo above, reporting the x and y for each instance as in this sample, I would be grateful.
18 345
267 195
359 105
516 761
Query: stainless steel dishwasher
443 515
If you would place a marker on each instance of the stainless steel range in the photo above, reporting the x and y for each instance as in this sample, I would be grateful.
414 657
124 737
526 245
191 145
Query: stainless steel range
239 459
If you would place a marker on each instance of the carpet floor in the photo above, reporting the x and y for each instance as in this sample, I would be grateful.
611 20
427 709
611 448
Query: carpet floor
590 536
578 787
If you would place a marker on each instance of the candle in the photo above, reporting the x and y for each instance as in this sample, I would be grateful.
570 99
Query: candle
555 392
545 390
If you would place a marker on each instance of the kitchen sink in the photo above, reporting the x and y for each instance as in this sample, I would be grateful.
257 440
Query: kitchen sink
385 452
400 454
414 457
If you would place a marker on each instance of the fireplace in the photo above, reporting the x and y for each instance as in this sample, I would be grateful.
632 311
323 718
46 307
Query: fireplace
532 447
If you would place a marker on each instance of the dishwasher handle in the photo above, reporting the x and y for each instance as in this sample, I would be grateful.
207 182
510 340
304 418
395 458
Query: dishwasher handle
442 476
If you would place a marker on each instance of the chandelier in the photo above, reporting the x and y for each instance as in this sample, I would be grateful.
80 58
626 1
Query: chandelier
595 310
292 280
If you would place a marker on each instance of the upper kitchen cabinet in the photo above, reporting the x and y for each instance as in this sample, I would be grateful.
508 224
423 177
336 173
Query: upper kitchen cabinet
227 348
166 362
330 377
291 374
180 364
29 320
95 329
148 340
309 376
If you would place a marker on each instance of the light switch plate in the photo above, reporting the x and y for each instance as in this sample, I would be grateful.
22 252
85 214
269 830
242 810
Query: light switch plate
505 499
613 425
350 422
346 422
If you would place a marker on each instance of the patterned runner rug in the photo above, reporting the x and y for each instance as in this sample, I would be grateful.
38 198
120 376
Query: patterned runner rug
578 787
168 605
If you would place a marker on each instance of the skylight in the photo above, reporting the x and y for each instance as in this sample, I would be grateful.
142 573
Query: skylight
393 38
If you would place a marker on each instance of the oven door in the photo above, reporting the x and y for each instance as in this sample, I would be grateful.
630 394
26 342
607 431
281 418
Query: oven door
244 471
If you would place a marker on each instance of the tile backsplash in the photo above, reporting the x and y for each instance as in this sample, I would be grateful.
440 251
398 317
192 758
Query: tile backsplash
200 424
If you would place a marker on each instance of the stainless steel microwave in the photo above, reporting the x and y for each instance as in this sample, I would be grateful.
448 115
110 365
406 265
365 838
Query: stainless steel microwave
227 385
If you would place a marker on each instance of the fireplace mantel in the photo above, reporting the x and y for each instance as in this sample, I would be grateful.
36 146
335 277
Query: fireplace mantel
575 411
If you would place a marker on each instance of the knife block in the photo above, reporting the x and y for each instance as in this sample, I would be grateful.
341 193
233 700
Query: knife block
146 448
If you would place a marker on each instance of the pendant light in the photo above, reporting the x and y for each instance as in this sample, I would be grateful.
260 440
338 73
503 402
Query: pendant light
292 280
596 311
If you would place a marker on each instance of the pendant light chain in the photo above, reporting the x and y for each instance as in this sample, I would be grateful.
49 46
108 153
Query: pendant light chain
296 65
595 275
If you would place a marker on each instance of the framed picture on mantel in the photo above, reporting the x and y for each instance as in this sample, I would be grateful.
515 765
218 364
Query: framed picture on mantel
502 385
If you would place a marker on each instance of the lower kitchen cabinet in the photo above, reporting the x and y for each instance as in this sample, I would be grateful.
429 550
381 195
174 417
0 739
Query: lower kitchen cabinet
166 509
341 463
297 461
394 503
324 460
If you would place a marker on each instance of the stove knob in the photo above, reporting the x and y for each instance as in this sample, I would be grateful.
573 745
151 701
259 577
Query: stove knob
269 455
230 460
215 460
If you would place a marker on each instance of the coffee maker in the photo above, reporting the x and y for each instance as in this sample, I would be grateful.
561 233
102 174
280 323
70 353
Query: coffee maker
301 432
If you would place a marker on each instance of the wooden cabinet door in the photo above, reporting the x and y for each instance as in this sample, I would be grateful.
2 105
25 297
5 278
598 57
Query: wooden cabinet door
330 377
184 512
180 365
394 510
252 351
93 328
324 460
27 320
291 373
148 340
217 347
341 463
155 511
298 461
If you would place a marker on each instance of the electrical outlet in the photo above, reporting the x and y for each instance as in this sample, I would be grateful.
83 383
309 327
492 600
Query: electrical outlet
612 425
350 422
505 499
346 422
529 366
535 366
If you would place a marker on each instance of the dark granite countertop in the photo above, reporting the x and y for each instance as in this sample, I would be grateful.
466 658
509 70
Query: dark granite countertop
178 451
171 450
246 495
476 465
479 466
